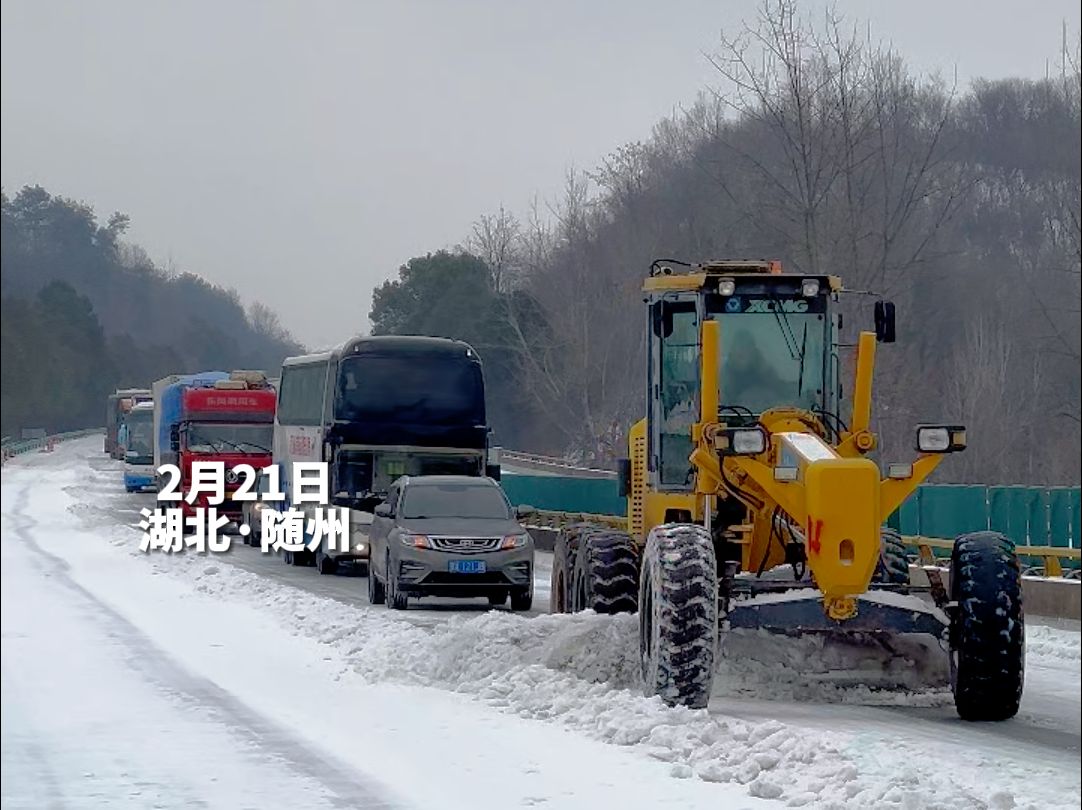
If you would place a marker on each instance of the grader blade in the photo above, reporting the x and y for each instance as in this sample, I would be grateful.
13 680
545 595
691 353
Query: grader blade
880 614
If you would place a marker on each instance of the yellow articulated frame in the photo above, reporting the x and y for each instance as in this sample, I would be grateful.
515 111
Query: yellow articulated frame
833 495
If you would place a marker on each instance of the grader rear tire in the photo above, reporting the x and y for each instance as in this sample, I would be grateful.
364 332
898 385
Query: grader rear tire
563 567
893 565
606 572
987 628
678 615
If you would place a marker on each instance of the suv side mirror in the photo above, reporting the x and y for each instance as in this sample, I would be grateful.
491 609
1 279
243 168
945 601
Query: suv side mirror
623 476
524 511
884 321
174 438
383 510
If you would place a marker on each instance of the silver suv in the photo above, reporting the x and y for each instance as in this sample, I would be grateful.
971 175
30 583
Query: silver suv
449 535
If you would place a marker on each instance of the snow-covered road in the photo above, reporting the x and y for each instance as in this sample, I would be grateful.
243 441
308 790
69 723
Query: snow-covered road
236 681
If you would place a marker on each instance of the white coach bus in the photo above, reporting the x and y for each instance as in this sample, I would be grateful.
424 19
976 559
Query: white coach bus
377 408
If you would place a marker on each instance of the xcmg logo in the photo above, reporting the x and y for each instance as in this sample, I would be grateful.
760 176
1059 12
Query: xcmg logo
765 305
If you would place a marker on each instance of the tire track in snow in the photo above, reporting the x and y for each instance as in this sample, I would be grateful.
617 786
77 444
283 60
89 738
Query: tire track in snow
344 787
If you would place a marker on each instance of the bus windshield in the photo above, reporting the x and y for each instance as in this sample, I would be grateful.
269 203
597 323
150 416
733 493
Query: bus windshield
415 389
229 438
140 435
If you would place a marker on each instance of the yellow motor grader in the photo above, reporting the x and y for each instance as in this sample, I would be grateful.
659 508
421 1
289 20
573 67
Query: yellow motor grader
752 504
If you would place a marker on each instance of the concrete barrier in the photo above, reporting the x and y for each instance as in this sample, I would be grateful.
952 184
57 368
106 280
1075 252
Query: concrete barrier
1047 597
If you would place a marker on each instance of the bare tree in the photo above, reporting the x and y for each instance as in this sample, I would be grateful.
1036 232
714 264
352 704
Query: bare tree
496 239
266 322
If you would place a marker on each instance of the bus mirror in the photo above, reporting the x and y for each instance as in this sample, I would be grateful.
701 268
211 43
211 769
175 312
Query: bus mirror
884 321
174 438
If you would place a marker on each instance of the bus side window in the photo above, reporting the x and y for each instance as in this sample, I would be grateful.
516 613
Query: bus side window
329 392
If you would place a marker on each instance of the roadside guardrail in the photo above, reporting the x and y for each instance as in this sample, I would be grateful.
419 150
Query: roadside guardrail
16 447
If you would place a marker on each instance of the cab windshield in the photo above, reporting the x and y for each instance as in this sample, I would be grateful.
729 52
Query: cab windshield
226 438
771 352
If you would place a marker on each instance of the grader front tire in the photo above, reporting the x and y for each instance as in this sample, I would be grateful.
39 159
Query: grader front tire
988 657
678 615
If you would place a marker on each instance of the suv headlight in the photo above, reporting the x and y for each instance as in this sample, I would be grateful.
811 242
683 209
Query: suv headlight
415 540
515 540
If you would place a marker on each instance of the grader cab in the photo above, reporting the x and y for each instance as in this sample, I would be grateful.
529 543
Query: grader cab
752 502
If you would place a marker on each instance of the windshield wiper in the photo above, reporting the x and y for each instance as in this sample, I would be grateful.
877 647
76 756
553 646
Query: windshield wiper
239 446
800 375
783 324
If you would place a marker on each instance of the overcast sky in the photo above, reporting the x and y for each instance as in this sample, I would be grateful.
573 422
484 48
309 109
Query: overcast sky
301 151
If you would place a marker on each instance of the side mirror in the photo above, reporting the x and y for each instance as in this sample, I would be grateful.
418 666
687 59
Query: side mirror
661 318
884 321
383 510
174 438
524 511
623 477
493 471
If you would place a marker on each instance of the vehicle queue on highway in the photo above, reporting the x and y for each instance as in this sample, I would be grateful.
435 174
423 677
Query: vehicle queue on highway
395 427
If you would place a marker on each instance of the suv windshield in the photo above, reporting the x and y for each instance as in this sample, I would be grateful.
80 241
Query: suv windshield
454 500
411 389
223 438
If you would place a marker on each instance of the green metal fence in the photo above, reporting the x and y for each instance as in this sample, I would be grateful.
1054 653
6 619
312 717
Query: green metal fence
1031 516
557 493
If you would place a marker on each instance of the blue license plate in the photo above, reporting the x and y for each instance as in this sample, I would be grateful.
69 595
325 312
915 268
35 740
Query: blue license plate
466 566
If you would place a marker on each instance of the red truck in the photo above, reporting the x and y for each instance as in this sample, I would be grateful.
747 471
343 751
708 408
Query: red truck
230 421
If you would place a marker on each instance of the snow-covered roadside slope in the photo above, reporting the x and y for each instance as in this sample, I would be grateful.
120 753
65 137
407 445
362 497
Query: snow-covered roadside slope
365 684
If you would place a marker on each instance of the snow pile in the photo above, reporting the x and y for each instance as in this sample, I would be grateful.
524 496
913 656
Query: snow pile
914 671
581 671
1050 643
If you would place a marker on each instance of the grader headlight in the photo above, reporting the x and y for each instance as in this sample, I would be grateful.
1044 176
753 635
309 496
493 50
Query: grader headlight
941 438
745 441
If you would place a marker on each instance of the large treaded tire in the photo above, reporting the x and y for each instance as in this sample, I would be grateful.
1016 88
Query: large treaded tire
564 552
678 614
893 565
606 573
987 627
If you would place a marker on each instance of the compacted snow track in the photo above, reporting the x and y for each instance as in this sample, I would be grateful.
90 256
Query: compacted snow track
234 680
